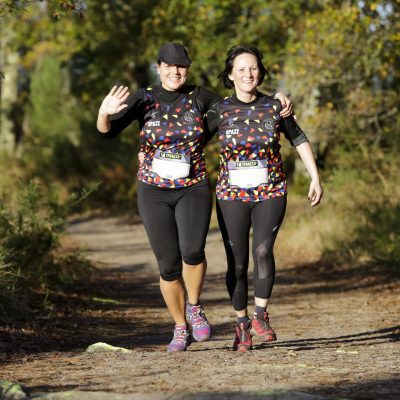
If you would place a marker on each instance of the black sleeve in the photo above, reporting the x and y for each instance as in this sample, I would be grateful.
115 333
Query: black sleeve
211 122
292 131
205 99
125 117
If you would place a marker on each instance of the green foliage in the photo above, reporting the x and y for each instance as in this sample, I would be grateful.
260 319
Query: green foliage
382 235
52 116
58 8
12 7
30 230
339 60
345 80
50 113
69 65
366 223
210 28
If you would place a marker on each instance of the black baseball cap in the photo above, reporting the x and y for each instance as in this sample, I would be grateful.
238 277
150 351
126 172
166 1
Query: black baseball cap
174 53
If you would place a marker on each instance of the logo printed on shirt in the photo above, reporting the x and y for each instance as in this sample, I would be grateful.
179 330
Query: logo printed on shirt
171 156
247 164
153 123
268 124
188 117
232 131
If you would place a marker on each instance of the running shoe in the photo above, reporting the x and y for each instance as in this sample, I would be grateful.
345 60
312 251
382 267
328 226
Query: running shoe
181 339
260 327
201 329
243 339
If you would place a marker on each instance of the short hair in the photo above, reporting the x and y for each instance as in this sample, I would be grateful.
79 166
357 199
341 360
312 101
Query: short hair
235 51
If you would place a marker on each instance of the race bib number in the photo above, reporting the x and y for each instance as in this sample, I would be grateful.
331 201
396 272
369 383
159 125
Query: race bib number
248 174
169 165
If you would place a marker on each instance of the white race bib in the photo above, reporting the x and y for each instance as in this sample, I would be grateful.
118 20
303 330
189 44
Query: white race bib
170 165
248 174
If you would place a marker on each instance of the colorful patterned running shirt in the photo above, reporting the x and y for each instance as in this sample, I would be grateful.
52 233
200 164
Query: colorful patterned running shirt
251 167
171 134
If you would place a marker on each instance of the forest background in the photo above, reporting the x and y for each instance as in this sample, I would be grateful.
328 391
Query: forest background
337 60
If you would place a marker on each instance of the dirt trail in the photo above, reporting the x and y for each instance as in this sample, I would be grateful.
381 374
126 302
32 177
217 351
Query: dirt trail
337 328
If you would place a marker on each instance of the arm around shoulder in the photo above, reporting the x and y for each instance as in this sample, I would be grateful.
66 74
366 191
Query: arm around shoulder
287 105
207 98
211 122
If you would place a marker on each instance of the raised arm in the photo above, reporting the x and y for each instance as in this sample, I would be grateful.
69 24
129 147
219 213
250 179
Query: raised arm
112 104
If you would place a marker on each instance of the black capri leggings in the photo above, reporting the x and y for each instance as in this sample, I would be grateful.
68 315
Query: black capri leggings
176 222
235 219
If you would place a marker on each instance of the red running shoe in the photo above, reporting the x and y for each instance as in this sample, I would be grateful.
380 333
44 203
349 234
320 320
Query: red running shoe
242 340
260 327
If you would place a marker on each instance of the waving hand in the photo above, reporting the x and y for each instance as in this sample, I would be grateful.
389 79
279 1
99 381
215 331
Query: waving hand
114 102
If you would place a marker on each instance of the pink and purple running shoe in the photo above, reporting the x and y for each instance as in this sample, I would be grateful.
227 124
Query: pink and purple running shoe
181 339
201 329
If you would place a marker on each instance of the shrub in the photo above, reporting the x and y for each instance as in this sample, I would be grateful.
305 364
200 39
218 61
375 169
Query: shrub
30 230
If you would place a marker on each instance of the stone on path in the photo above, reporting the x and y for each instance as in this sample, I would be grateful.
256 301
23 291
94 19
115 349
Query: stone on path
101 347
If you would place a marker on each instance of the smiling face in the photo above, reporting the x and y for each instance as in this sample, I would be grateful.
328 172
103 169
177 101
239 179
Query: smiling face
172 76
245 74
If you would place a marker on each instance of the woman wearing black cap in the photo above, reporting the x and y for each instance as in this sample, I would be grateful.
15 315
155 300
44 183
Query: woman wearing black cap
174 198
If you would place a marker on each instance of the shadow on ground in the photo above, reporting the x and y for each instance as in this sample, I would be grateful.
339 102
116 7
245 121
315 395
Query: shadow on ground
109 309
388 389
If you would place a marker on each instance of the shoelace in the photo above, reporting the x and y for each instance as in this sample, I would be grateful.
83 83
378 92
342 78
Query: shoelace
265 323
198 317
180 335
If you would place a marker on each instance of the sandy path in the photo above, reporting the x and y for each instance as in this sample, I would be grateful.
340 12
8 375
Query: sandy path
337 328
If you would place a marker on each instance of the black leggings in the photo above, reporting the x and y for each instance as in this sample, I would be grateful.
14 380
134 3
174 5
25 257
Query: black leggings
176 222
235 219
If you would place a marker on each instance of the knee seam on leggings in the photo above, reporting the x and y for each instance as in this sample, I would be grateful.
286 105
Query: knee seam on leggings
194 260
171 277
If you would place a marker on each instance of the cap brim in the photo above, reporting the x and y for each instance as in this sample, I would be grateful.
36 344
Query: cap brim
177 61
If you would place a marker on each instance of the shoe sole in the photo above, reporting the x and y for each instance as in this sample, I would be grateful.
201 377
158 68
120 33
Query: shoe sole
189 342
175 351
243 348
200 339
179 351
